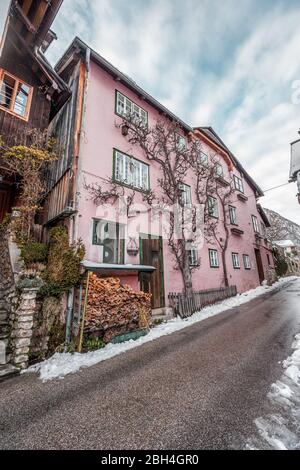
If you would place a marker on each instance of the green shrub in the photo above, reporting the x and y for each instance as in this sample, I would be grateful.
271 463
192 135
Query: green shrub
34 252
63 268
92 344
28 282
281 266
50 289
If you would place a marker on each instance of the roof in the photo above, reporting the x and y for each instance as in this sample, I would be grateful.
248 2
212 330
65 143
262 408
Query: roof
115 269
27 27
210 133
284 243
78 44
120 76
263 215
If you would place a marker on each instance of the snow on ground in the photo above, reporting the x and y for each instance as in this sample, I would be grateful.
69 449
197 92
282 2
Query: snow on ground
61 364
280 428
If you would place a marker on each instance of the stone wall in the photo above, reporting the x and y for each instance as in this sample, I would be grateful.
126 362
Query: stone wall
22 327
7 295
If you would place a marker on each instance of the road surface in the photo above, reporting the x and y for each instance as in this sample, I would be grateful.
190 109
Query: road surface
197 388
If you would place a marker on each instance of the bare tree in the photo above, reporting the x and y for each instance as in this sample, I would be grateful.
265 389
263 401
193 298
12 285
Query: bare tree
215 193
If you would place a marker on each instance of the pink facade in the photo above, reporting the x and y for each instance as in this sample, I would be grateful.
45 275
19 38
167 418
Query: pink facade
101 138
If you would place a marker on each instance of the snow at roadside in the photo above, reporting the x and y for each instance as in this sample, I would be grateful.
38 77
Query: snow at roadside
279 429
61 364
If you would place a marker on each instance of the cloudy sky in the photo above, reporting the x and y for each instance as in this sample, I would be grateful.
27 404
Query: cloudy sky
229 64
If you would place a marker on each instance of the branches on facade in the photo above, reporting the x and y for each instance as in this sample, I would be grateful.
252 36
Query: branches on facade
28 158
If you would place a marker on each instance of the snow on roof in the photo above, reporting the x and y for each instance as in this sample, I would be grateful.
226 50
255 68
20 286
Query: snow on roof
284 243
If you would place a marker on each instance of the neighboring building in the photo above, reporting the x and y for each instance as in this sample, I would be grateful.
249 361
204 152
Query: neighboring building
290 253
31 92
295 165
93 147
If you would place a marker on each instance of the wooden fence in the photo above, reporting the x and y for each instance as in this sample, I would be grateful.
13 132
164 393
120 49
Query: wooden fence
185 306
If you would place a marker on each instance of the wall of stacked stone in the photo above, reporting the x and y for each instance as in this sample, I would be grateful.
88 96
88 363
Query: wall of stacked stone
22 326
7 294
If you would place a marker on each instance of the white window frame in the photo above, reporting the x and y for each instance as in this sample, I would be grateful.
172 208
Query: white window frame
185 194
236 260
238 183
131 171
180 141
246 260
203 159
218 170
193 257
213 206
233 215
114 236
213 258
255 224
129 108
263 229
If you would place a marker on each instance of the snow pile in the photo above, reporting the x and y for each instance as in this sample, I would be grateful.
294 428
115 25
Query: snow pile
61 364
280 430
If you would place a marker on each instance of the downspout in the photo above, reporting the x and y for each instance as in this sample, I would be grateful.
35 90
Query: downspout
74 220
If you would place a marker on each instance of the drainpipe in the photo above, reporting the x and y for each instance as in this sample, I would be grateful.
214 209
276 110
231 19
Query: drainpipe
74 219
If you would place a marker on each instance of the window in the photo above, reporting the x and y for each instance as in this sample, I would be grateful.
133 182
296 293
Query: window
130 171
263 229
255 224
203 159
110 236
213 258
232 215
238 183
185 194
218 169
180 142
268 258
193 257
15 96
212 205
246 259
126 107
236 260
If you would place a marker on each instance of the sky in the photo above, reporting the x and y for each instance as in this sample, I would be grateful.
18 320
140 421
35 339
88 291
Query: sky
232 64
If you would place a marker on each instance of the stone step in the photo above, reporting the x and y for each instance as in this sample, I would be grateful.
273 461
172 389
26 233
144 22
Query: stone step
8 370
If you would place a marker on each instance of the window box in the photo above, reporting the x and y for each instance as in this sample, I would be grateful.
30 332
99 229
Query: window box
242 197
222 181
237 231
15 95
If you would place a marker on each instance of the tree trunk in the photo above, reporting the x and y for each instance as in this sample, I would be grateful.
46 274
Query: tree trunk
187 277
226 282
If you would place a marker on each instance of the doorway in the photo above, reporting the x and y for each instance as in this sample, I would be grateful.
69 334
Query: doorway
259 265
151 254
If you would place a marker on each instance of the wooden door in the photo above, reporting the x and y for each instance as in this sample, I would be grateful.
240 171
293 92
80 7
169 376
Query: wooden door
259 265
5 201
152 255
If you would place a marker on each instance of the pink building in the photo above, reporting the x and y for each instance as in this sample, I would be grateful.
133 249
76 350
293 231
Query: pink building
95 149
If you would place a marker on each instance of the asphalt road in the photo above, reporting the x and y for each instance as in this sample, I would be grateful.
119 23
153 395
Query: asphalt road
195 389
